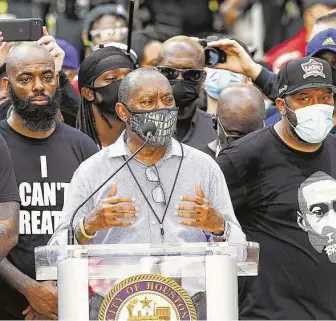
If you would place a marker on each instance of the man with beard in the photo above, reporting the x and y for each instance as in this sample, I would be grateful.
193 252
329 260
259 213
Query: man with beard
182 61
45 154
278 193
99 79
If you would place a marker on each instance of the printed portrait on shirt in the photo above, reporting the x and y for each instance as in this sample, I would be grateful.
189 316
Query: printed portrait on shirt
317 216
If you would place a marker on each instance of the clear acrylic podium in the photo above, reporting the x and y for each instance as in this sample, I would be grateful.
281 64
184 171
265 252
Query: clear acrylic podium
206 272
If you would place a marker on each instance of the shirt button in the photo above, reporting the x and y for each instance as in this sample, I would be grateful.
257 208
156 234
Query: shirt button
153 222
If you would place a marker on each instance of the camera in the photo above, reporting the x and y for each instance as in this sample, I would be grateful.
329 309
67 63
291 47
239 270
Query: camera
213 56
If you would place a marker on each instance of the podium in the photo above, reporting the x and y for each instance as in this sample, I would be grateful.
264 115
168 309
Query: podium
132 282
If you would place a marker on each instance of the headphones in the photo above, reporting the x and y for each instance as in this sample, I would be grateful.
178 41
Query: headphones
214 120
131 54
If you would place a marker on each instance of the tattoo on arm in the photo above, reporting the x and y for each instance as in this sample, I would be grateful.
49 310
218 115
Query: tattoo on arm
9 227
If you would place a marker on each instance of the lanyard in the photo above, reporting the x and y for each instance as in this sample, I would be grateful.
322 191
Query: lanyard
170 196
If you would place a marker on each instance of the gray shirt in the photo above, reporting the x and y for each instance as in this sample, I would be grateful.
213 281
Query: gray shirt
196 168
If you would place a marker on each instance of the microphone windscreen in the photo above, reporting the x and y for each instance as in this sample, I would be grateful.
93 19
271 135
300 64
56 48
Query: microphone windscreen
149 127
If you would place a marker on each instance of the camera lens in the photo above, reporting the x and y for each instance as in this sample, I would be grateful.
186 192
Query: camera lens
36 23
211 56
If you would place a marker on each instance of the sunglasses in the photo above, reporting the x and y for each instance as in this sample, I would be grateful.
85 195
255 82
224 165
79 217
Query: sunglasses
187 74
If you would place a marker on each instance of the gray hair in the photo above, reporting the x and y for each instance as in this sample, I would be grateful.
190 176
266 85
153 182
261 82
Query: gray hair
134 79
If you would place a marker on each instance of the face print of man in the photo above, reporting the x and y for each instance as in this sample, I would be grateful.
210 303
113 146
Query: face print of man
317 216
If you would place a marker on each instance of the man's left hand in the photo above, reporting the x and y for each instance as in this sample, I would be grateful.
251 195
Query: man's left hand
54 49
202 213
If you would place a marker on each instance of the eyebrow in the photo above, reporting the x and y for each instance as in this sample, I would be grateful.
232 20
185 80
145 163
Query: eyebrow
28 73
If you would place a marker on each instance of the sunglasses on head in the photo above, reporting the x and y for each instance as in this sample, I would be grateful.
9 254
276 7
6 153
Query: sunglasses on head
187 74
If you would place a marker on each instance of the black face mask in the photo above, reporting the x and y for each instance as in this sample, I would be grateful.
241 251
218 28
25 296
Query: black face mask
185 92
109 95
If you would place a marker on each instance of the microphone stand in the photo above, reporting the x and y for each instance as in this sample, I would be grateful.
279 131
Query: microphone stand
71 234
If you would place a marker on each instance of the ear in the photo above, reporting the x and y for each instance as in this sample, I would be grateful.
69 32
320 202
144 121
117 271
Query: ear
301 222
5 82
280 103
87 94
203 78
57 79
122 112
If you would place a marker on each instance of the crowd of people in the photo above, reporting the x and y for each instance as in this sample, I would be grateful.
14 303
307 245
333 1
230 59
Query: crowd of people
240 151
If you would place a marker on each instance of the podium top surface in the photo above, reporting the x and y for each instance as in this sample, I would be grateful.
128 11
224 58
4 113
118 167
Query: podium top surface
177 259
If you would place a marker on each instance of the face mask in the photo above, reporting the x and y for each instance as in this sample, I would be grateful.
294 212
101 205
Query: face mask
313 122
217 80
185 92
164 120
109 96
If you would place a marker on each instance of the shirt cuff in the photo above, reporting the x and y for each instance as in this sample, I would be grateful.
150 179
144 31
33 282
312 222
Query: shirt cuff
225 236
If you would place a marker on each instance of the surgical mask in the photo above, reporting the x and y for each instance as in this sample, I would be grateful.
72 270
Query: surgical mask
109 95
185 91
164 120
217 80
313 122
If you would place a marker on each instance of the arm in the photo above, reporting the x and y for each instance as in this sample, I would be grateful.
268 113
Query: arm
9 227
41 296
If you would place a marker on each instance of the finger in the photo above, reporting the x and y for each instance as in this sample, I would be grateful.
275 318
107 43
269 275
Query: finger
199 191
52 316
189 208
191 223
7 47
45 31
123 208
50 46
115 200
45 40
28 308
193 199
126 215
222 43
194 215
113 191
123 223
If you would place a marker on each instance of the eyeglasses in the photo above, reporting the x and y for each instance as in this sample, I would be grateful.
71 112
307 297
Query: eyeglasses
229 137
158 194
187 74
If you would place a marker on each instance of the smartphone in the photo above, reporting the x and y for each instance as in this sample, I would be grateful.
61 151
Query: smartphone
21 29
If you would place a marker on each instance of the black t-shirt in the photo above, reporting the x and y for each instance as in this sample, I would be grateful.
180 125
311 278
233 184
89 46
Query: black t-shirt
285 200
8 187
43 170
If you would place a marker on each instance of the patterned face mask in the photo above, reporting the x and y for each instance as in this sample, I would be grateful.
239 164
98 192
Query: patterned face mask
164 120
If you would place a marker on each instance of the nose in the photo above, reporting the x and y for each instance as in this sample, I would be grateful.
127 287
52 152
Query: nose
38 86
161 104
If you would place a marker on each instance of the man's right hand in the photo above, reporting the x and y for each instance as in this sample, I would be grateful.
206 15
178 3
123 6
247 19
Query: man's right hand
42 297
4 49
238 60
109 212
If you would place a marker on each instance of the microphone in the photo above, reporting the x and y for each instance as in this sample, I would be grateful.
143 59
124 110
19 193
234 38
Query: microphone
149 130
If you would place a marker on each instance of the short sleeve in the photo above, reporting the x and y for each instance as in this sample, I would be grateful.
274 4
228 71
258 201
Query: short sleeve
8 187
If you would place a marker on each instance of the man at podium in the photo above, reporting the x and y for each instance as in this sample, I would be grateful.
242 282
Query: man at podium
169 193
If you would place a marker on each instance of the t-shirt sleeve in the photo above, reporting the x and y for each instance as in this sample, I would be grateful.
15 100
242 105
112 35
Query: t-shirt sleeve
89 148
233 180
8 187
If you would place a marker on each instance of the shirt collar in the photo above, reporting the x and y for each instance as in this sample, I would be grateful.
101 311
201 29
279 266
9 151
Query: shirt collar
120 148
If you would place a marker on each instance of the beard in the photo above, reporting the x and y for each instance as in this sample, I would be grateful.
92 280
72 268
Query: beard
291 118
35 117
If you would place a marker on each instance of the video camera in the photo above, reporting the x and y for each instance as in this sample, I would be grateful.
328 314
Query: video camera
213 56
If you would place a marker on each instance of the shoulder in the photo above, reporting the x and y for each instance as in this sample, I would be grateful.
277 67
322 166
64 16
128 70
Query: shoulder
74 134
203 115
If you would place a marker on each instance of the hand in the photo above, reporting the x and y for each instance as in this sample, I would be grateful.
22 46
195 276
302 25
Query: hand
31 314
109 213
4 49
238 60
54 49
203 215
43 299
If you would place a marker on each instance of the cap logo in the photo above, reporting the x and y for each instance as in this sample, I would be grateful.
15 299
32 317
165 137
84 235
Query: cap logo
281 90
329 42
313 68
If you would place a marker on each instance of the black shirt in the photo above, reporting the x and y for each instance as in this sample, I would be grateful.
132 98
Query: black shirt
8 187
285 200
199 131
43 170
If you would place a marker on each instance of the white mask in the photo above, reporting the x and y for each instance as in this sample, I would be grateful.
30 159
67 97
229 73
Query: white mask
314 122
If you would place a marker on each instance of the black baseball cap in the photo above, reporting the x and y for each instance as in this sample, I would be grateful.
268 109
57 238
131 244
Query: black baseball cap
304 73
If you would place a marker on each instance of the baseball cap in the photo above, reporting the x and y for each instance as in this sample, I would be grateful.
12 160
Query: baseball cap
325 40
304 73
71 59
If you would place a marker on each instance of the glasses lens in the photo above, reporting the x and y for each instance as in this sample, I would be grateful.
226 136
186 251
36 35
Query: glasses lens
152 174
158 194
169 73
192 74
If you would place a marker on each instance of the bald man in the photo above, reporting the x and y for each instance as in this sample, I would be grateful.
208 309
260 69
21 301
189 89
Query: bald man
240 111
182 61
45 154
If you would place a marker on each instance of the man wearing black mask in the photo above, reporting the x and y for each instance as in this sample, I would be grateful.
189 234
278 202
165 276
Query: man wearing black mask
182 61
99 78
